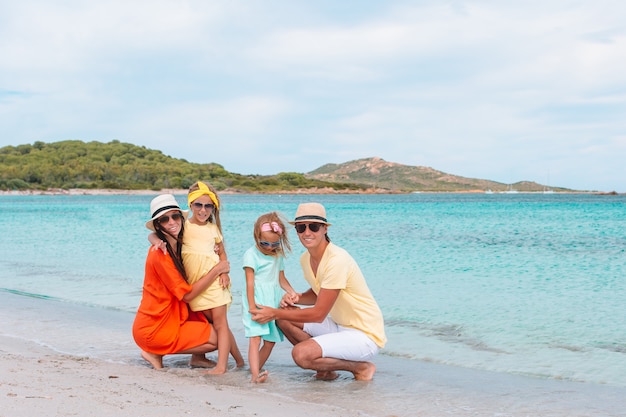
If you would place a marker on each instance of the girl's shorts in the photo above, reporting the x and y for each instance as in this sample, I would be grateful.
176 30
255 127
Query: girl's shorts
341 342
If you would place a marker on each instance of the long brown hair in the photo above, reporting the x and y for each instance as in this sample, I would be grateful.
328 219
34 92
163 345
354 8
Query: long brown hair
176 256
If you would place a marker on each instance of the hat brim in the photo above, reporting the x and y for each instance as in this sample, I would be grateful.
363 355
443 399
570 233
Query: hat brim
150 223
309 221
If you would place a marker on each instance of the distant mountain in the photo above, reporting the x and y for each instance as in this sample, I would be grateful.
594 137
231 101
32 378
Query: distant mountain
380 174
74 164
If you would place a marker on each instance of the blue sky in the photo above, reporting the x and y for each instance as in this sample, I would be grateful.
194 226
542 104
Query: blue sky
506 91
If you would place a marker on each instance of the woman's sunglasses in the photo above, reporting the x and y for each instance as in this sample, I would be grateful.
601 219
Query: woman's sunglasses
200 206
166 219
314 227
270 244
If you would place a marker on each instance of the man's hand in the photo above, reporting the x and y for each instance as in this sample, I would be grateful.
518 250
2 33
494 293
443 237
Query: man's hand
262 314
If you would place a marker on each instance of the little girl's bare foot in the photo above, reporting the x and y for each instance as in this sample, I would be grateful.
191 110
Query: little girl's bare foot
262 377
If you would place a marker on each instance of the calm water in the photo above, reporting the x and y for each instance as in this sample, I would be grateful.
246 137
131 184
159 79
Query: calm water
517 284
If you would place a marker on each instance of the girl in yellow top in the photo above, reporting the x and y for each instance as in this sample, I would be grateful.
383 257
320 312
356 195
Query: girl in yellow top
202 249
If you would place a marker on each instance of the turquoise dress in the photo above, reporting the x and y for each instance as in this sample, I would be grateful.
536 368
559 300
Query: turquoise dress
267 292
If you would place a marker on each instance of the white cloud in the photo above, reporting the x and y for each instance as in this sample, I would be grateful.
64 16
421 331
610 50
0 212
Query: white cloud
493 90
46 35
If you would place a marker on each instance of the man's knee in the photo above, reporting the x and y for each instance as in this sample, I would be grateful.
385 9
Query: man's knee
299 355
305 352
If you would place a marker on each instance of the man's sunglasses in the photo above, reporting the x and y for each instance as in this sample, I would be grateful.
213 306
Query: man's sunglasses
314 227
166 219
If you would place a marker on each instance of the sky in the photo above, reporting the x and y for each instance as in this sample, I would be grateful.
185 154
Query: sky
500 90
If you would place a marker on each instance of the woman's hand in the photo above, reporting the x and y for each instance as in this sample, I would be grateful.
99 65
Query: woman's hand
222 267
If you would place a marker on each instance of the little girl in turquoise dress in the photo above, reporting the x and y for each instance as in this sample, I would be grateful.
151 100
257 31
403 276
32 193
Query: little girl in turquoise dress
265 285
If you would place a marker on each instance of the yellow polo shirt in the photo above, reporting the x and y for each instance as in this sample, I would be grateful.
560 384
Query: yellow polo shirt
355 306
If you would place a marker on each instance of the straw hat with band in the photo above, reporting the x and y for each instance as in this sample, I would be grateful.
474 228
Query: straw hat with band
311 213
162 204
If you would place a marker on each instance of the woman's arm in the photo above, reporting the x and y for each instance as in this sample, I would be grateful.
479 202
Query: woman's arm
222 267
221 252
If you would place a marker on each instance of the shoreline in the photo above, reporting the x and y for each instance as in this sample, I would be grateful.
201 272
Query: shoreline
176 191
312 191
81 360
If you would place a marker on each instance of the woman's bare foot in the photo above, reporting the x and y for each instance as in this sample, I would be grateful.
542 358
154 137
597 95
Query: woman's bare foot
155 360
201 361
240 364
365 372
262 377
326 375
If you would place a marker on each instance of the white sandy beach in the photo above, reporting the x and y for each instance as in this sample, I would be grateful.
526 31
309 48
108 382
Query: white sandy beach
38 382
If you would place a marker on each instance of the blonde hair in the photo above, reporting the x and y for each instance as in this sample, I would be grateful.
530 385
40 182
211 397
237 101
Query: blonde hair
272 217
215 214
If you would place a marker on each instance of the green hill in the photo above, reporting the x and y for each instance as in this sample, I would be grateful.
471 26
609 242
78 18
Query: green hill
116 165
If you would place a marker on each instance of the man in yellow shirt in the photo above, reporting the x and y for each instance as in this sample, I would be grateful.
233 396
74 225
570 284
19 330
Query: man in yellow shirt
344 328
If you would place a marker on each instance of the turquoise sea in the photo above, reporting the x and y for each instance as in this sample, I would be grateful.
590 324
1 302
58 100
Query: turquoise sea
479 292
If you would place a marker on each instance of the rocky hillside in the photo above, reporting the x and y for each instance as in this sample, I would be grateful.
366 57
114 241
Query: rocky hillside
379 174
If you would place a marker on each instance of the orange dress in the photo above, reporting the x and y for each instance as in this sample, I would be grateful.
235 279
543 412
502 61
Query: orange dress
163 324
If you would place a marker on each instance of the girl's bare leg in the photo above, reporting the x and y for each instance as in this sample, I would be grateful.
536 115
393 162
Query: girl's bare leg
253 356
220 323
264 352
234 350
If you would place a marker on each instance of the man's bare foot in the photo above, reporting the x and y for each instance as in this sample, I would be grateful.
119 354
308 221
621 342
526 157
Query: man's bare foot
240 364
365 372
201 362
326 375
262 377
155 360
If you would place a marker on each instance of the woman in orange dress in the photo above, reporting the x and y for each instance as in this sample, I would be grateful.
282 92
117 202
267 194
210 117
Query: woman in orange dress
163 324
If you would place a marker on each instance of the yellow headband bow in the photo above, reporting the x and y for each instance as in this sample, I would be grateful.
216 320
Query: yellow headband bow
202 190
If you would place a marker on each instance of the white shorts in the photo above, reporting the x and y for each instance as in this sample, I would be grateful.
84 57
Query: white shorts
341 342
